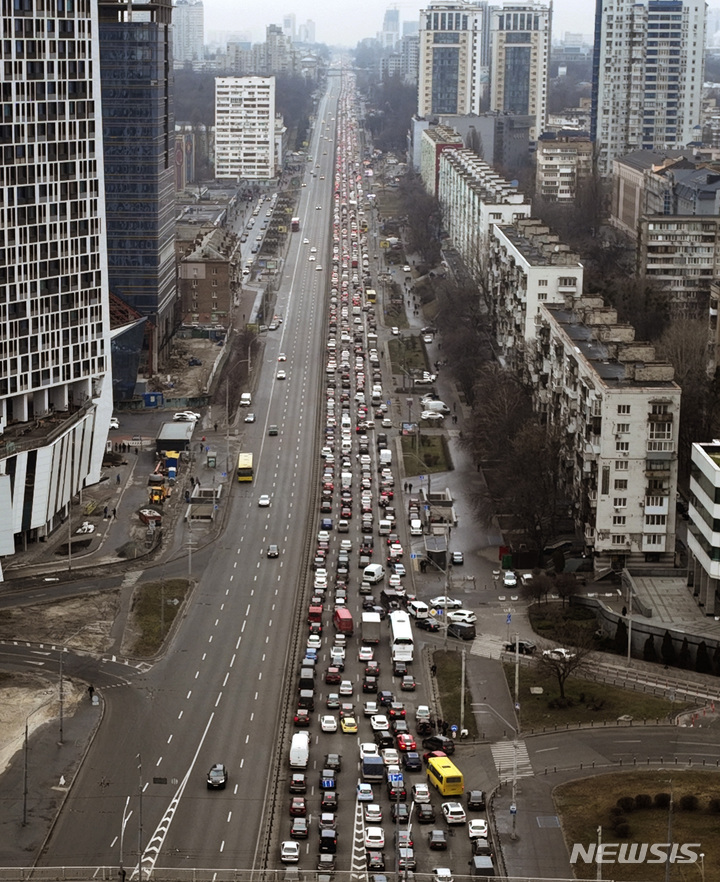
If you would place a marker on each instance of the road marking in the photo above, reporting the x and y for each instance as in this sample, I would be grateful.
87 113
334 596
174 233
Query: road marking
512 760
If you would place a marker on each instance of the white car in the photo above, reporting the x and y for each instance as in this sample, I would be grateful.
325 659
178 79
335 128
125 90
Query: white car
337 655
453 813
394 581
306 241
366 653
374 838
328 723
390 756
395 331
313 250
250 418
264 501
406 269
462 616
558 654
346 687
442 874
365 793
289 852
509 579
373 813
431 416
318 268
114 423
368 748
312 257
444 602
314 641
281 375
186 416
282 357
422 712
420 793
379 723
478 828
370 708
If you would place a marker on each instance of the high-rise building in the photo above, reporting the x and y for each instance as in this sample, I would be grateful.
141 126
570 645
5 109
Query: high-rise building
520 53
647 75
139 153
245 128
188 33
55 384
453 62
391 28
288 25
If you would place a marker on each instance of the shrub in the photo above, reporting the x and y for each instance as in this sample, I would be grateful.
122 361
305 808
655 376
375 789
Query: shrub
643 801
622 831
662 800
615 812
689 803
714 804
626 804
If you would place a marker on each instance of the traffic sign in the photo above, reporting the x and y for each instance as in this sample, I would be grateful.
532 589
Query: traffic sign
453 728
509 619
513 809
395 779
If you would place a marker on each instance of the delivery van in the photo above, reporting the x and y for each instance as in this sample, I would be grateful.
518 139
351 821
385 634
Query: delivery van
343 621
373 574
245 399
385 458
418 609
346 480
416 528
300 750
384 527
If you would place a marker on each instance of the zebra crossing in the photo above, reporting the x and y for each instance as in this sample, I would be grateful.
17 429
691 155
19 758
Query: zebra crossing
511 759
488 646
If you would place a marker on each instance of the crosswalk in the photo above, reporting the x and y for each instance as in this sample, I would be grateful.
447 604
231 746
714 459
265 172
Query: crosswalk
487 646
511 760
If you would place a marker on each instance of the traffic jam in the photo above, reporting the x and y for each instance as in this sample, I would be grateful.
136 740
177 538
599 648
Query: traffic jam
372 787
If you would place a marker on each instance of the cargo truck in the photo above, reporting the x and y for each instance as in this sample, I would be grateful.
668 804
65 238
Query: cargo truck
370 627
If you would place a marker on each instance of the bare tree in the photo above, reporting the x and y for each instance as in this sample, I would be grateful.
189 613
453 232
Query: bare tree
562 662
566 585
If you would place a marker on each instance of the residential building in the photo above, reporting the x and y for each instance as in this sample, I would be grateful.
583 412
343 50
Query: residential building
188 33
433 141
619 408
474 198
306 32
55 379
527 266
139 157
279 57
245 128
703 535
453 65
288 26
563 162
520 60
410 53
501 140
390 36
647 75
209 282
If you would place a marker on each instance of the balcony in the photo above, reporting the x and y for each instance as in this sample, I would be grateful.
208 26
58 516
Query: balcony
661 447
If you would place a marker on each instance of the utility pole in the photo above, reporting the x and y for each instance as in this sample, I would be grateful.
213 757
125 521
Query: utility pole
61 695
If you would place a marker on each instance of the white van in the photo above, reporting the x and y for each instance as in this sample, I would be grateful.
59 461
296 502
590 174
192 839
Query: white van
384 527
385 457
416 528
418 609
373 573
245 399
346 480
437 407
300 751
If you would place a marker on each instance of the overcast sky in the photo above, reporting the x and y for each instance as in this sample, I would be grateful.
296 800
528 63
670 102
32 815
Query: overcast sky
340 22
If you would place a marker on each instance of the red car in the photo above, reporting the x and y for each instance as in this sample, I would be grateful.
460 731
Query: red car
406 742
298 807
302 717
333 676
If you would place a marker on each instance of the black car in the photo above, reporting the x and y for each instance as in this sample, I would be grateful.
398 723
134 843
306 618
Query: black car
400 813
273 551
299 828
437 840
462 631
400 669
525 647
329 801
383 740
424 813
411 761
333 761
427 625
385 698
476 800
217 777
375 860
439 742
370 684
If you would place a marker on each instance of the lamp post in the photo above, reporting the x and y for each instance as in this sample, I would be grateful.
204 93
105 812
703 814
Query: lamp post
26 758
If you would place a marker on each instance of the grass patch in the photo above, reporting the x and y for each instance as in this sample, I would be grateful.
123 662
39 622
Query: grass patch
429 449
587 701
154 609
582 805
407 354
449 669
396 315
549 619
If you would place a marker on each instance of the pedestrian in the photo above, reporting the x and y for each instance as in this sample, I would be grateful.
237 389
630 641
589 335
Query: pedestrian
200 447
91 691
410 487
105 512
433 670
137 451
216 427
445 727
114 513
203 438
116 447
117 480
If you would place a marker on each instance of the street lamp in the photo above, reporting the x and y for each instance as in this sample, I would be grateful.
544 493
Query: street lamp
25 759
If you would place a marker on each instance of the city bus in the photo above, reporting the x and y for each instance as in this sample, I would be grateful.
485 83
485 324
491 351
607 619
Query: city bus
245 467
295 225
445 776
370 295
401 636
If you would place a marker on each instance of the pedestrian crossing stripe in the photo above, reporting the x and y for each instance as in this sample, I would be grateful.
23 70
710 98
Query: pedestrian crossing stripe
511 760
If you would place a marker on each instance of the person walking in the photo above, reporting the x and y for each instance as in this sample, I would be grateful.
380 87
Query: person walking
117 480
114 513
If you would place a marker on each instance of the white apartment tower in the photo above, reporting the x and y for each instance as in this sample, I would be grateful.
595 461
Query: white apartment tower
520 56
647 76
453 61
188 33
55 383
244 128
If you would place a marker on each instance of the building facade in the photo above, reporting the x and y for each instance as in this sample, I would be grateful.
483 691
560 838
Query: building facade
703 536
453 63
520 61
188 33
139 157
210 274
55 381
563 162
433 142
648 67
619 408
245 128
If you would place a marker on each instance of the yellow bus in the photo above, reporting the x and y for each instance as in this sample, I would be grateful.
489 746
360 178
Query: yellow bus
370 295
245 467
445 777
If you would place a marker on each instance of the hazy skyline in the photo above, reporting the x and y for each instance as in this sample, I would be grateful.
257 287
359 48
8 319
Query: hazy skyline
346 24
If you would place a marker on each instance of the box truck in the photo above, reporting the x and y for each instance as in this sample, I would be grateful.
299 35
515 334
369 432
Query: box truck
370 627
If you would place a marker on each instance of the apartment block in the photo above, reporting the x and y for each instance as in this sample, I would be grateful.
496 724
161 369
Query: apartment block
245 128
527 267
475 198
619 409
563 162
520 61
188 27
433 142
703 536
209 282
55 382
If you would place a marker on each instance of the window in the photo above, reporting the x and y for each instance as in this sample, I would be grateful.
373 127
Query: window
620 484
623 428
654 539
655 501
622 465
618 520
622 446
655 520
618 539
661 431
659 408
542 283
620 501
623 408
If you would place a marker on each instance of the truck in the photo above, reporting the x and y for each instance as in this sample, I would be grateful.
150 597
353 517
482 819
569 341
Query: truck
373 769
370 627
342 619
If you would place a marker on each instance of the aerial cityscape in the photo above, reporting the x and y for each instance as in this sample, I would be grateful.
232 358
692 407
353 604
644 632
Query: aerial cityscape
360 457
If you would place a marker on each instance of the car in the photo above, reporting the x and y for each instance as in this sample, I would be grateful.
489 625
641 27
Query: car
318 268
420 793
298 783
328 723
289 852
403 838
439 742
390 756
264 501
365 793
312 257
458 558
282 357
375 860
437 840
405 741
273 550
374 838
406 269
525 647
407 684
400 813
453 813
427 624
346 687
250 418
333 761
318 208
476 800
314 641
372 813
400 668
397 711
299 828
509 579
298 806
442 874
329 801
281 375
428 338
367 748
327 821
462 616
114 423
431 416
302 717
478 828
558 654
366 653
406 858
385 698
272 430
217 777
379 723
186 416
370 708
327 779
306 241
411 761
442 601
333 676
348 725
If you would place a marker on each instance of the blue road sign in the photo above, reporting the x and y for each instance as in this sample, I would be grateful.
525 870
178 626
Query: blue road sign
453 728
395 779
413 556
509 619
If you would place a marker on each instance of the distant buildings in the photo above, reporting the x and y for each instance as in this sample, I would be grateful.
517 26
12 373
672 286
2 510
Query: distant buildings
563 161
245 128
188 33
